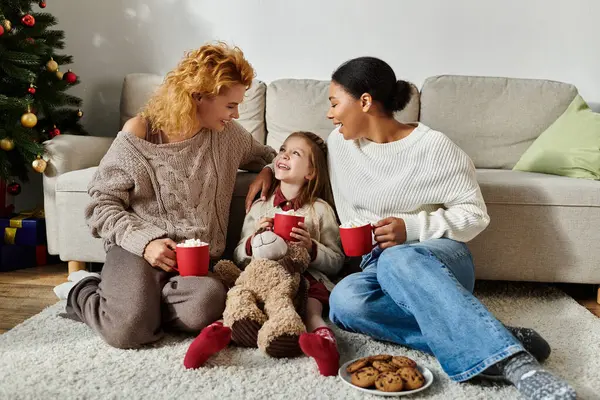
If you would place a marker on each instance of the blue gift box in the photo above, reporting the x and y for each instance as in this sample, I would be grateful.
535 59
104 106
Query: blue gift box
14 256
23 230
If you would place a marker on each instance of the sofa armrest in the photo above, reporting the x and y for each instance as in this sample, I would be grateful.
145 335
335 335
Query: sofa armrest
66 153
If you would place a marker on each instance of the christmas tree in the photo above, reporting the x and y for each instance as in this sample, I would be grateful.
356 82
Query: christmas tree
33 104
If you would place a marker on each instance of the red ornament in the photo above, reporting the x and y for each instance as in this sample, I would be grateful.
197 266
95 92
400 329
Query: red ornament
42 4
14 189
1 30
28 20
31 89
54 132
30 40
70 77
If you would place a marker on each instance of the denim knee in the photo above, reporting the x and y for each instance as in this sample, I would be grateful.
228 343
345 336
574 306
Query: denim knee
400 263
342 305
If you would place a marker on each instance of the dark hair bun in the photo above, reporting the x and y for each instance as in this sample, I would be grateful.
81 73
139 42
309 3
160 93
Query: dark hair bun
376 77
402 95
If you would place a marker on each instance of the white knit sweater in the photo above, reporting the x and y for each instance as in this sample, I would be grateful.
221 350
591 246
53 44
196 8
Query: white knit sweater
425 179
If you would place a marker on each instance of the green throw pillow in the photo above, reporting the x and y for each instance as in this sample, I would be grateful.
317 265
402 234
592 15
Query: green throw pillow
569 147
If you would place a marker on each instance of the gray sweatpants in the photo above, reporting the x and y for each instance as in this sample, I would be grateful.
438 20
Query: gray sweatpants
132 302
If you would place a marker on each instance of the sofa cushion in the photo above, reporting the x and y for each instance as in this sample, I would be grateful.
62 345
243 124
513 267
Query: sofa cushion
252 111
493 119
530 188
570 147
302 104
538 243
137 89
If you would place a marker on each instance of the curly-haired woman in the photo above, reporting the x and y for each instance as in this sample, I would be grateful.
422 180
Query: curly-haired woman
168 176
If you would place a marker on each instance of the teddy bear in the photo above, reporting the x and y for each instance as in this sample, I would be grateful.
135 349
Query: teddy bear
267 300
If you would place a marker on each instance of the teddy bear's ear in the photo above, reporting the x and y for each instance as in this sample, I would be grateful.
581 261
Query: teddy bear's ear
261 230
296 259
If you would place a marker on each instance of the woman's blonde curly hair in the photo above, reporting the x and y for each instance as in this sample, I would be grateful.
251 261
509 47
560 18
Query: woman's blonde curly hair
205 72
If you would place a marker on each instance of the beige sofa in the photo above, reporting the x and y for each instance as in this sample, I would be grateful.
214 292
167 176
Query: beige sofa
544 228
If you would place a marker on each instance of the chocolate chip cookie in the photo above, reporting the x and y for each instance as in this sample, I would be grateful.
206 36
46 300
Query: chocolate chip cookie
381 357
402 361
365 377
411 377
358 364
383 366
389 382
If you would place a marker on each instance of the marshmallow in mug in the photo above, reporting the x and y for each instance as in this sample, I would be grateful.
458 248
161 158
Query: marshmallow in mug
192 243
355 223
289 212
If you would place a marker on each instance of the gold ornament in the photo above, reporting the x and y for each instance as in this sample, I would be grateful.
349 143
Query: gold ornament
59 75
52 65
80 113
7 25
28 120
39 164
7 144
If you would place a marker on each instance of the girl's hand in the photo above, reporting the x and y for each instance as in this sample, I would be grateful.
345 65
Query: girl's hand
302 236
390 232
265 222
160 254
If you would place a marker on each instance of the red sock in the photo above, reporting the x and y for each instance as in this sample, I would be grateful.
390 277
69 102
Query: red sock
211 340
321 346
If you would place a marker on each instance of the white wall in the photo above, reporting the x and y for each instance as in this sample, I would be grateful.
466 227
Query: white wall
550 39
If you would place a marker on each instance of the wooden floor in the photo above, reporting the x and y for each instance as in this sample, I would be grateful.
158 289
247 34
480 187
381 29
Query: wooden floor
26 292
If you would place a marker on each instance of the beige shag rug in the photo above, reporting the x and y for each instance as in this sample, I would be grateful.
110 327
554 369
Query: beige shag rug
48 357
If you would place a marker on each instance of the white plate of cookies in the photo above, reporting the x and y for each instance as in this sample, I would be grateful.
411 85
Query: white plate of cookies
386 375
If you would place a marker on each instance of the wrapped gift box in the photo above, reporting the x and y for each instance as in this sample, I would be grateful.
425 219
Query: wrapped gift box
25 229
14 256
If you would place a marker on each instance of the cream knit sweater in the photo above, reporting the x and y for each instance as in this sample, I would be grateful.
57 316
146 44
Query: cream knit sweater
322 226
144 191
425 179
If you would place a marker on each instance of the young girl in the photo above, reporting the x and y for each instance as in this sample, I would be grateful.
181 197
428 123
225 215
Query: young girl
302 185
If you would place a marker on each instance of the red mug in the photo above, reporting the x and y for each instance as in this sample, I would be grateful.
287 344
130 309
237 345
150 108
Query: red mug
193 260
357 241
283 224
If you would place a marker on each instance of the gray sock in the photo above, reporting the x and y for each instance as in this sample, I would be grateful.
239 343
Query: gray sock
535 383
532 341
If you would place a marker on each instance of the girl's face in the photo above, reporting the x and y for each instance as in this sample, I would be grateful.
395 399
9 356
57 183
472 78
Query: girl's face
216 112
292 164
347 112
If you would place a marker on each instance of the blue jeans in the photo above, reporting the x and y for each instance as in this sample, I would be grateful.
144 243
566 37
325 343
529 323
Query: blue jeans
420 295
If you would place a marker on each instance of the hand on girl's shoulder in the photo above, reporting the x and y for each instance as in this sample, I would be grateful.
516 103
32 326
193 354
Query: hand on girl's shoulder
136 126
257 203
